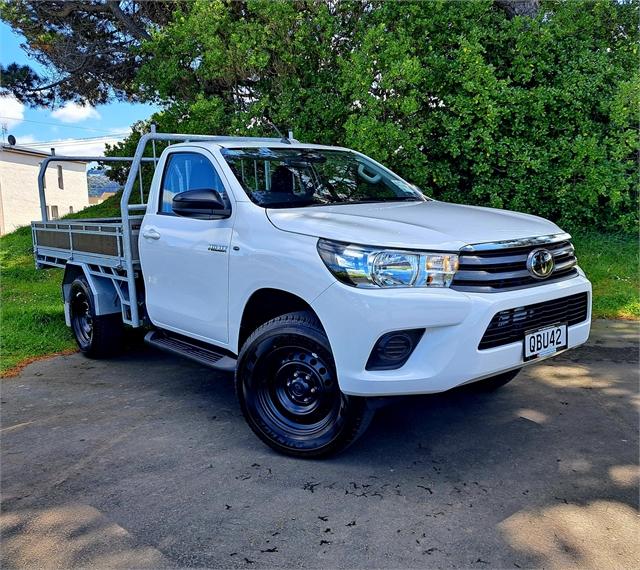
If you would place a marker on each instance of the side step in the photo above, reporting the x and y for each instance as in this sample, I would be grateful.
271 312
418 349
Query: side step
204 354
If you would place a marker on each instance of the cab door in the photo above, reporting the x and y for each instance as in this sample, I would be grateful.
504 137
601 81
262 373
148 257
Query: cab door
185 261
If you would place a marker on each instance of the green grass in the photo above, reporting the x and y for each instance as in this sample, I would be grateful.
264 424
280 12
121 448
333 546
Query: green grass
31 315
110 208
611 262
32 321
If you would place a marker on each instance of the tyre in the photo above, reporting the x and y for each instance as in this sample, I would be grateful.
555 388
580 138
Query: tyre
97 336
288 390
495 382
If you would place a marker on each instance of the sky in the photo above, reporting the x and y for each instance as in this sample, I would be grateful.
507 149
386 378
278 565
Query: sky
72 129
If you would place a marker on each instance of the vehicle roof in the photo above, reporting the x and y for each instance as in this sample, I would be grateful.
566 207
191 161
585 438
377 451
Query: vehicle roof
248 143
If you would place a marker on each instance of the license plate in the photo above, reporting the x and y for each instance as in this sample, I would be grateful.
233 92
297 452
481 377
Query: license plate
545 341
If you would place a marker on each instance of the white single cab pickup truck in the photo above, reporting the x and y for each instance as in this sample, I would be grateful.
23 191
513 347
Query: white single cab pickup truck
316 275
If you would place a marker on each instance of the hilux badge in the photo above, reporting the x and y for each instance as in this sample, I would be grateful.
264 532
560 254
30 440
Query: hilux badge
540 263
217 247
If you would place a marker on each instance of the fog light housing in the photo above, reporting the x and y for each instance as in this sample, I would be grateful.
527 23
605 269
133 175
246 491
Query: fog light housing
393 349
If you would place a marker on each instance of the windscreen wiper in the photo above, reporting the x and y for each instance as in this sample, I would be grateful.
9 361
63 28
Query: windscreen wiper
383 200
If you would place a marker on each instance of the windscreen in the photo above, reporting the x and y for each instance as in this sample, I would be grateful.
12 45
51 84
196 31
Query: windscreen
289 178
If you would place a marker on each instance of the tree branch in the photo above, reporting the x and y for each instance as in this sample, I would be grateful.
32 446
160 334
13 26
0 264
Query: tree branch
519 7
112 6
59 81
127 22
70 7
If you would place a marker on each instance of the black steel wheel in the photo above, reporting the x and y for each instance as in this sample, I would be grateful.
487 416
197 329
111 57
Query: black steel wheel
288 389
97 336
81 317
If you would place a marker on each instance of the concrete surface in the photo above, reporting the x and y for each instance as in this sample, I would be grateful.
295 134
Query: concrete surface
145 462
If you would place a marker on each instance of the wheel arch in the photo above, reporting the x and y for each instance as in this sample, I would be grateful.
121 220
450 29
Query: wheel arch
105 297
265 304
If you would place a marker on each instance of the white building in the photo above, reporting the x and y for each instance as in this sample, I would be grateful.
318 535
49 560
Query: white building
66 187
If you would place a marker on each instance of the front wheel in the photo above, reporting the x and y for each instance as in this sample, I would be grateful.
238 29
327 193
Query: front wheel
97 336
288 389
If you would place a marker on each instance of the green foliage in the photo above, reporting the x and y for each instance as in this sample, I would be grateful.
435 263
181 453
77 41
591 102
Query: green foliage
532 114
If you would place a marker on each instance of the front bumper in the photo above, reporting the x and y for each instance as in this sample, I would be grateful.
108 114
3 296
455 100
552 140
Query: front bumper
447 355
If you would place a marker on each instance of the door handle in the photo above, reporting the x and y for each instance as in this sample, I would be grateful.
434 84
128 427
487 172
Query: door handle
151 234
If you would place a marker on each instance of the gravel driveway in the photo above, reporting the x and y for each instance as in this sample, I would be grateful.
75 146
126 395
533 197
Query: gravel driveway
145 462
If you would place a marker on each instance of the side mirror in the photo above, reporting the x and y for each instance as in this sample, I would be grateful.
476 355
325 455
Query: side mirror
200 204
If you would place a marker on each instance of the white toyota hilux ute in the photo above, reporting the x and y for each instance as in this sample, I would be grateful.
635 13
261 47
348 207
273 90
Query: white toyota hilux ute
318 276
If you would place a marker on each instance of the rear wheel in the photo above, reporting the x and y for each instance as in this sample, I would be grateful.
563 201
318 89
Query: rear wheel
495 382
97 336
288 389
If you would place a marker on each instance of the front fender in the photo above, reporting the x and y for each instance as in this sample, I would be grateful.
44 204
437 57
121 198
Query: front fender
264 257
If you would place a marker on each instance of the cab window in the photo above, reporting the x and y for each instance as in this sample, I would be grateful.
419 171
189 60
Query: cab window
187 171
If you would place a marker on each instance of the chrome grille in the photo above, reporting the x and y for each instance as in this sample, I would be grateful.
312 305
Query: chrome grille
490 268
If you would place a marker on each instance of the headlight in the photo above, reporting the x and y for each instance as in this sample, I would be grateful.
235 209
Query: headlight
371 267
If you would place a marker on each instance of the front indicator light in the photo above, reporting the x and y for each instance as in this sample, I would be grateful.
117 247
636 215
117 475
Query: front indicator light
440 269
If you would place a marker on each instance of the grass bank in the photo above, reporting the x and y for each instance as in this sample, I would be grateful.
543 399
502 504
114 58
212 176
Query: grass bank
32 321
612 263
31 315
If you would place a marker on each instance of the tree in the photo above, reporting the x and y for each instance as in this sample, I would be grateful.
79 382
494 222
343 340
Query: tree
90 47
531 105
471 101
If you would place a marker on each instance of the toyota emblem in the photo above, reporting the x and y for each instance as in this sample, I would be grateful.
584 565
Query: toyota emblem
540 263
